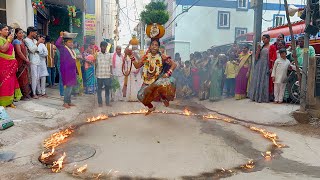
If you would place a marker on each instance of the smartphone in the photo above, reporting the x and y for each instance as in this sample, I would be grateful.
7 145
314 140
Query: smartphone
12 31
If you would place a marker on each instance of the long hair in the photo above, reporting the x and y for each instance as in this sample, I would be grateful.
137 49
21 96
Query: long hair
16 31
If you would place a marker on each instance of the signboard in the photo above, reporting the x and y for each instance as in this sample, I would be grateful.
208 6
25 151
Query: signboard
90 25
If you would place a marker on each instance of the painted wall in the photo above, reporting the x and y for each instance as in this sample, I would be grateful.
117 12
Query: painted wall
21 12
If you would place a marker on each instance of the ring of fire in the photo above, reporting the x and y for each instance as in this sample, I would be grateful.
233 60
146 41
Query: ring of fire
61 137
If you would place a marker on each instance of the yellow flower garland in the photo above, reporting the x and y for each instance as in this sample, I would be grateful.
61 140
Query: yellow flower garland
152 61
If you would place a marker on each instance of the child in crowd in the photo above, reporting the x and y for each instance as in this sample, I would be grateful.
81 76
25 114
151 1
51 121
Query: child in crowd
230 73
279 75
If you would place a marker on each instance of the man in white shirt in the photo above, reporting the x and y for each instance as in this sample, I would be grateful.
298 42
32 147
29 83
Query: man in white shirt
117 72
103 73
43 73
34 57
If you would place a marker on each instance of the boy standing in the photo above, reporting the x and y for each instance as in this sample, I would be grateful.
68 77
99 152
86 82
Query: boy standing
103 73
279 75
230 72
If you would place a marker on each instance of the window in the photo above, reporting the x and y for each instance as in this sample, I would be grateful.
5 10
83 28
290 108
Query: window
3 13
223 20
243 4
240 31
278 19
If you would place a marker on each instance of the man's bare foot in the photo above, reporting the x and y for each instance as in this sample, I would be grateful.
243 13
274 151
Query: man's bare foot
44 95
35 97
166 103
70 104
12 106
150 110
66 106
100 105
276 102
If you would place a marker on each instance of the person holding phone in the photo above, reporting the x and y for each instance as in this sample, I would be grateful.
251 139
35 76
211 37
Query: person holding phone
9 85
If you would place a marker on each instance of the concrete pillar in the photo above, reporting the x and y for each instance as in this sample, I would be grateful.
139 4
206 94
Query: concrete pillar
311 100
20 12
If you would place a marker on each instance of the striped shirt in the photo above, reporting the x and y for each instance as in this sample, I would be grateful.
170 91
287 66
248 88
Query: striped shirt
103 65
51 52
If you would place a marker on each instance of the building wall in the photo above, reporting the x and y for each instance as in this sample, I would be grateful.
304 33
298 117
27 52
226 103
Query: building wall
21 12
199 27
273 8
109 14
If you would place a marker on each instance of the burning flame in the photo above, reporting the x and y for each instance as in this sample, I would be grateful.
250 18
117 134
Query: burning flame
249 165
46 155
98 118
267 155
57 138
211 116
82 169
187 112
57 165
268 135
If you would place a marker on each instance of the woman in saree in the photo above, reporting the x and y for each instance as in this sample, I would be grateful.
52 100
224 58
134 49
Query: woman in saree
158 85
9 85
216 76
195 72
186 81
204 77
243 73
78 89
23 64
90 74
259 85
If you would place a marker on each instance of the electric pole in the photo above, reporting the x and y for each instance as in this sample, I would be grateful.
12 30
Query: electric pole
303 89
257 24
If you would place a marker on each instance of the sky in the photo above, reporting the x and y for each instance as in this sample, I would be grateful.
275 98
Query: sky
131 9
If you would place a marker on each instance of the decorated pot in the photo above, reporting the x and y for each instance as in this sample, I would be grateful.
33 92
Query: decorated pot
155 31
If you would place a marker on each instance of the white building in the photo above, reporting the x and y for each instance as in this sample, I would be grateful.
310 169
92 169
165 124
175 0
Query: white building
215 22
17 11
110 19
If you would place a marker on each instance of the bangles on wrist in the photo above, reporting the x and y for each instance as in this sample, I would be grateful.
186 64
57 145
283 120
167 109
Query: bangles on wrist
169 73
132 58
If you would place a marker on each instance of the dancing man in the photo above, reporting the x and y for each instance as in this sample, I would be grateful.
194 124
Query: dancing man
158 85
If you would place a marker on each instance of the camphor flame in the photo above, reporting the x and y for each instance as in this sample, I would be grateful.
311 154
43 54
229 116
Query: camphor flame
267 155
211 116
46 155
249 165
57 138
268 135
98 118
187 112
57 165
82 169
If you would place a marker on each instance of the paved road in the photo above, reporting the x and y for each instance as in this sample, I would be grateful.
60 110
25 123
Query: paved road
160 146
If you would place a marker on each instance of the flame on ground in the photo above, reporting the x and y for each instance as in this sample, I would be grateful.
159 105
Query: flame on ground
249 165
187 112
268 135
57 138
267 155
46 155
57 165
82 169
98 118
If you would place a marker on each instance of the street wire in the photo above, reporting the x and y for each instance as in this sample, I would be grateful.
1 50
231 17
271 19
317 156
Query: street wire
182 13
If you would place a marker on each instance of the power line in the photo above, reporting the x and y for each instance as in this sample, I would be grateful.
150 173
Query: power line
182 13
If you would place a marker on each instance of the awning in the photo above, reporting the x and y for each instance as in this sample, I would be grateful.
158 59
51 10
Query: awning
80 4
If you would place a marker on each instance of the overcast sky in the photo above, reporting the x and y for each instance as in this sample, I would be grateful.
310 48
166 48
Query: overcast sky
133 9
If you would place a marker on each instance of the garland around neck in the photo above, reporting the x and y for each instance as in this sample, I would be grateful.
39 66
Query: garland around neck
72 53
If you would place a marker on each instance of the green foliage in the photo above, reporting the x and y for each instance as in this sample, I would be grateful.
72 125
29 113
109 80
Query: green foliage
155 12
62 15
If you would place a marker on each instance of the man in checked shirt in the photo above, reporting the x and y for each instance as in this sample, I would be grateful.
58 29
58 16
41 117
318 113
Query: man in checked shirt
104 73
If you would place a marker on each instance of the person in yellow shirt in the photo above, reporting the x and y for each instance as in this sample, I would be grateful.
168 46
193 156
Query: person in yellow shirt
230 73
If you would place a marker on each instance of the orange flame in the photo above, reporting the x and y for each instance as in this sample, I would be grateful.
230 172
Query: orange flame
98 118
268 135
249 165
211 116
187 112
267 155
57 165
57 138
82 169
46 155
